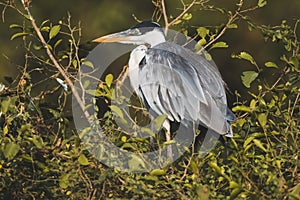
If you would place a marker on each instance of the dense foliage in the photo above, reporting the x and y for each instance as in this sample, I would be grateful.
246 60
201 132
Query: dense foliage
41 155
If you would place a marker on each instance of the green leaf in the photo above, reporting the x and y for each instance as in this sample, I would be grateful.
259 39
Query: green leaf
233 184
18 35
157 172
241 108
245 56
259 145
207 56
75 63
219 45
54 31
15 26
261 3
248 141
295 192
38 142
202 192
109 79
271 64
248 77
86 83
235 192
262 119
45 28
117 111
215 166
187 16
5 130
159 121
5 105
44 22
57 43
136 163
177 22
64 181
11 149
148 131
294 61
88 64
83 160
232 26
202 31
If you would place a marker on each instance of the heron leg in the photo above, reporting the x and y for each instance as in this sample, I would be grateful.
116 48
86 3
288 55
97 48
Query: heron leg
167 126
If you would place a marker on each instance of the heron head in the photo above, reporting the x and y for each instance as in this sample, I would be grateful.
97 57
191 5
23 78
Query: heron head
146 32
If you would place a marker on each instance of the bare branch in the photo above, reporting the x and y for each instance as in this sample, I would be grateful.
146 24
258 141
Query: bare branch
185 10
53 59
165 15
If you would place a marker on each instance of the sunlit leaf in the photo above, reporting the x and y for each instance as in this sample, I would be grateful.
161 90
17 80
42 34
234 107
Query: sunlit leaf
261 3
11 149
248 77
235 192
233 184
15 26
64 181
38 142
136 163
241 108
219 45
5 105
16 35
207 56
157 172
248 141
5 130
54 31
159 121
57 43
187 16
245 56
177 22
262 119
259 144
109 79
202 31
117 111
271 64
83 160
232 26
88 64
45 28
75 63
44 22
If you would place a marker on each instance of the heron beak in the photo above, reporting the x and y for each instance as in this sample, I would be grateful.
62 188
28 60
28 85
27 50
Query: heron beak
115 37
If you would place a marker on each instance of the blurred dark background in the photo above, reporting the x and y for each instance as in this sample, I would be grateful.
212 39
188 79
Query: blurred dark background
105 16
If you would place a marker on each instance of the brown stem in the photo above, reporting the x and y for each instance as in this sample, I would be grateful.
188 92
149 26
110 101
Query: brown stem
54 61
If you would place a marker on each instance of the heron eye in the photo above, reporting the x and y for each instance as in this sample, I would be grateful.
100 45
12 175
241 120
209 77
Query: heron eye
135 31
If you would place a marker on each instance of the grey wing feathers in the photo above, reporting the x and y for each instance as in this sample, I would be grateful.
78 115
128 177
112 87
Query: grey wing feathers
174 81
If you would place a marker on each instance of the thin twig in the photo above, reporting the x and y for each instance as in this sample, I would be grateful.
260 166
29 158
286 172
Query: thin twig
165 15
185 10
53 59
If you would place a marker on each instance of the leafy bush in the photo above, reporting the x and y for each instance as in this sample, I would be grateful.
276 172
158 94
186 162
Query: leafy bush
41 156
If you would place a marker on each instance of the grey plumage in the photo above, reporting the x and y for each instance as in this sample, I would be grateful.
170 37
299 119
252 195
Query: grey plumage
175 81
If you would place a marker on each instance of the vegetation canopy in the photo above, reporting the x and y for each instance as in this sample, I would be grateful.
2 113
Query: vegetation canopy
42 156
